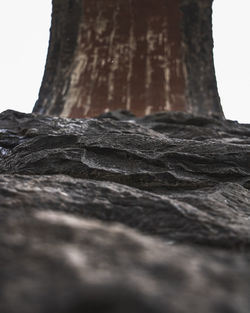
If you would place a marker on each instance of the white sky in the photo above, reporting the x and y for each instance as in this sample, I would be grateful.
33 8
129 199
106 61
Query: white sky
24 33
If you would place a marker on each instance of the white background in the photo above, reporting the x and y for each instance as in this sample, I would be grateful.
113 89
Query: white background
24 33
231 24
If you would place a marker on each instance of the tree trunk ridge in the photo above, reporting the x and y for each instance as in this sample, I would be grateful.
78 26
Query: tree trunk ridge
144 56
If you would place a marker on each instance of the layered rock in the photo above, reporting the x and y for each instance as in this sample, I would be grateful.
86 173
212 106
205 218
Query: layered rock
124 214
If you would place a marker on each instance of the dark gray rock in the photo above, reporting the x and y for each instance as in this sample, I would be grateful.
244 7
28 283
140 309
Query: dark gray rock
206 217
123 152
178 183
53 262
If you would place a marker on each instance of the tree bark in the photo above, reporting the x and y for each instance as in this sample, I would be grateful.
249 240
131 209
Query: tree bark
144 56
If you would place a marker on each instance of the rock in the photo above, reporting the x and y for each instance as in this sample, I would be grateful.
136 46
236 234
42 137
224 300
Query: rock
206 217
188 126
124 214
125 152
54 262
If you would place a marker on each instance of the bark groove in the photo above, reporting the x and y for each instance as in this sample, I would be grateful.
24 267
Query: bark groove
145 56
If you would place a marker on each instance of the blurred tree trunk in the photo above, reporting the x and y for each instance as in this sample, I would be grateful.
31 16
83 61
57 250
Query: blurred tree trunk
141 55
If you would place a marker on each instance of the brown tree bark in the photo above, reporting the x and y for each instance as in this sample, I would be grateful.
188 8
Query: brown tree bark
141 55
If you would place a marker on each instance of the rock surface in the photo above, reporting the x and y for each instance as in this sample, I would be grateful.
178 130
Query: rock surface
124 214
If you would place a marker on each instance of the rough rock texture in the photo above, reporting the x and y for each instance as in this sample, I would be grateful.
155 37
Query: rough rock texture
124 214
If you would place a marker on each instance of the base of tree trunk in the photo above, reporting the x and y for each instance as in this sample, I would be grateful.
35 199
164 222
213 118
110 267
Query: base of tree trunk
139 55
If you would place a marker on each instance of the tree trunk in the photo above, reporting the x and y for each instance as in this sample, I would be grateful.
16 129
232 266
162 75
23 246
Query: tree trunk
140 55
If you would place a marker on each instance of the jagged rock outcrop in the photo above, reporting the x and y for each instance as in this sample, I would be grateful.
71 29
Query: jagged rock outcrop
124 214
